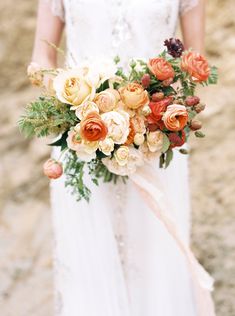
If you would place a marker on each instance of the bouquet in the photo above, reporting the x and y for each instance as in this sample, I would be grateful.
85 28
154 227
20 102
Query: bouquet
110 121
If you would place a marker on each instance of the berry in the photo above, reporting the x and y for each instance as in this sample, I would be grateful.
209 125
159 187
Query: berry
145 80
174 46
192 100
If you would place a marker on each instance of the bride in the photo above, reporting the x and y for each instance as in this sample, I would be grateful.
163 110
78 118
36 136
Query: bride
112 256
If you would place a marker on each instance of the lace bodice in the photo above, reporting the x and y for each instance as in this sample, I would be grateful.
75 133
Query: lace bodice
106 28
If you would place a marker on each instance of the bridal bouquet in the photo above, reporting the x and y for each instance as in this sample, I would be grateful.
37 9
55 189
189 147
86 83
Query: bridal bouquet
109 122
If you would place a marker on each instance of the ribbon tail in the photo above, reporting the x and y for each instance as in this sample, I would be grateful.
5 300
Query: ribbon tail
150 189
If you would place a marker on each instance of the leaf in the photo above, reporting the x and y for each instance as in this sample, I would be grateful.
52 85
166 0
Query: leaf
169 157
213 78
161 160
191 114
61 142
183 151
166 143
199 134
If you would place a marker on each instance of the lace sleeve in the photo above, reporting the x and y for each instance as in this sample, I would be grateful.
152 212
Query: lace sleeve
186 5
57 8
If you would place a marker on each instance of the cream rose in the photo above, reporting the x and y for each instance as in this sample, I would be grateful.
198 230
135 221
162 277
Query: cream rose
155 141
107 100
106 146
74 87
84 109
135 160
121 155
118 125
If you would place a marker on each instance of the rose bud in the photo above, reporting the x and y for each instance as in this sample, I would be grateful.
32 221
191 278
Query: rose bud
52 169
157 96
167 82
145 80
192 100
199 107
195 125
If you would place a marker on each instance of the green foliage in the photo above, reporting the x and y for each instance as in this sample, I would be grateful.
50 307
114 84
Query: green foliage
45 116
61 142
213 78
199 134
166 143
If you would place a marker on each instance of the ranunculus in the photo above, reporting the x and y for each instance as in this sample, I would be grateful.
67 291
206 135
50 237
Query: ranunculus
122 155
84 109
35 74
85 150
196 65
118 125
158 108
135 159
106 146
176 117
161 68
138 122
52 169
134 96
155 141
93 128
74 87
107 100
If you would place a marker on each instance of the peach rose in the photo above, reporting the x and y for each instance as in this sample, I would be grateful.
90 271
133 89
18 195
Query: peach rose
161 68
107 100
73 87
93 128
138 122
134 96
176 117
196 65
52 169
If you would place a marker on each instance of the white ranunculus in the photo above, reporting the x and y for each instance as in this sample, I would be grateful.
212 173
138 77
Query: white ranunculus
86 108
118 125
106 146
135 160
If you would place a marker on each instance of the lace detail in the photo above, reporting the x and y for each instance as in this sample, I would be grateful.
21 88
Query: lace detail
187 5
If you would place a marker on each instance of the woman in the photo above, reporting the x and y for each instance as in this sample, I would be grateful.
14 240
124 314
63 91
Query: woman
112 257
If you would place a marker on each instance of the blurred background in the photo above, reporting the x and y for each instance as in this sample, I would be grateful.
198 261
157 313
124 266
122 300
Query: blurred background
25 221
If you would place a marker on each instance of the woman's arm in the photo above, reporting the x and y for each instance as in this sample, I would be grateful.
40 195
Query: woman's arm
49 29
193 27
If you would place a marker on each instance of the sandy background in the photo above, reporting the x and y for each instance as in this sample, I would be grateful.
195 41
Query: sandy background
25 231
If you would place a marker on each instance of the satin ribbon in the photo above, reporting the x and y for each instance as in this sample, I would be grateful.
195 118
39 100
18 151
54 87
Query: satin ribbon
151 189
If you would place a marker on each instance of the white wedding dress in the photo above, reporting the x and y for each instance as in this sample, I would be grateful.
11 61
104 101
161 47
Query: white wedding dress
112 256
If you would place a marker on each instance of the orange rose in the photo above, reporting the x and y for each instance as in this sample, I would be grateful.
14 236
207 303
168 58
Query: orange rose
176 117
134 96
196 65
158 108
161 68
93 128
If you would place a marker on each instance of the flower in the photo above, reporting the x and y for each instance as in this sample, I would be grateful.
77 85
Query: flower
106 146
177 140
85 150
196 66
107 100
139 139
138 122
134 96
155 141
93 128
35 74
161 68
84 109
176 117
121 155
53 169
117 123
74 87
148 156
158 108
135 159
174 46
